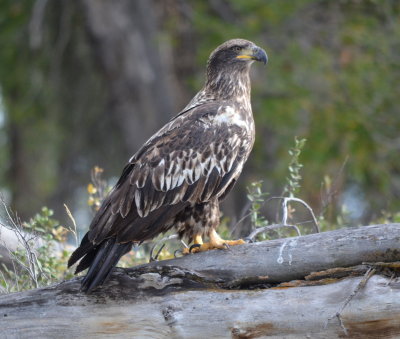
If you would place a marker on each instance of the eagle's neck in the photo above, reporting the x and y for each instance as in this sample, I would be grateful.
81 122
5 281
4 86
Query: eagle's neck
229 86
233 86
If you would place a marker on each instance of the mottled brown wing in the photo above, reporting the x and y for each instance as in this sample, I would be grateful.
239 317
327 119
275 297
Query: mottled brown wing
191 160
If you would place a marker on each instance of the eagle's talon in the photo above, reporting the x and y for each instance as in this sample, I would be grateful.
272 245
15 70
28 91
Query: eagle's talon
193 247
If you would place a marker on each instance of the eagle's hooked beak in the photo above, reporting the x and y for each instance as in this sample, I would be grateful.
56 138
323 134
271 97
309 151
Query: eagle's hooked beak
256 53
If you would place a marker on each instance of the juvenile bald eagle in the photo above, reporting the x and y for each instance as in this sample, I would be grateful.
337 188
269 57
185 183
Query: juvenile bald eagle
179 176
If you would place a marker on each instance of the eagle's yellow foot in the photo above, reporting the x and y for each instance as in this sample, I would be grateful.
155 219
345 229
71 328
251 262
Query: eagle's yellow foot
224 244
216 242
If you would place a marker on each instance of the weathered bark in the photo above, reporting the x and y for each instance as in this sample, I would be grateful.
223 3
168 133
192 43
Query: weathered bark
293 258
302 312
225 294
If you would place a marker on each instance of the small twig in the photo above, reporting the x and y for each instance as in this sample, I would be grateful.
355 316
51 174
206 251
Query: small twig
333 191
158 253
316 226
395 264
302 202
7 288
391 279
346 333
170 237
360 285
15 275
73 230
241 219
184 244
285 211
264 229
31 266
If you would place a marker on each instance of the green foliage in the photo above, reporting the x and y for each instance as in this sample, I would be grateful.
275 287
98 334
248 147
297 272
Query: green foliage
40 258
341 219
388 218
257 199
42 223
291 189
293 180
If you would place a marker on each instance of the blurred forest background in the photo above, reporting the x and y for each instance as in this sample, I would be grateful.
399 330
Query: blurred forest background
85 83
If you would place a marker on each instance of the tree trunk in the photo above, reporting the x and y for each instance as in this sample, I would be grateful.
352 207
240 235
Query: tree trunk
128 47
244 292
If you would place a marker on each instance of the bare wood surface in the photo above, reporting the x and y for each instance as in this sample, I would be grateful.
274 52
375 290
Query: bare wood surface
191 297
293 258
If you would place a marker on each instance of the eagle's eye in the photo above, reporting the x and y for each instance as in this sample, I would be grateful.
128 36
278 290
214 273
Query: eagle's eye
236 48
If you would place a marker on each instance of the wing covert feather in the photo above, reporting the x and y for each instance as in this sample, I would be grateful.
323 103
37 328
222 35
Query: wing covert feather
190 160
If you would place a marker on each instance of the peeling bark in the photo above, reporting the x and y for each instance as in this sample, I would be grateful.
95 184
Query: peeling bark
245 292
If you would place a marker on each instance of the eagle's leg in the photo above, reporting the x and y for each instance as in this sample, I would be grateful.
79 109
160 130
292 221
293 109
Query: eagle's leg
216 242
200 220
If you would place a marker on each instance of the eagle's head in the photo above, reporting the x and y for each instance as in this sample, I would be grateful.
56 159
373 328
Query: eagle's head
228 68
235 54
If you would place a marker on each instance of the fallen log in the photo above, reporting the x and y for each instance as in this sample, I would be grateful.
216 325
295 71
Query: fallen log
280 260
243 292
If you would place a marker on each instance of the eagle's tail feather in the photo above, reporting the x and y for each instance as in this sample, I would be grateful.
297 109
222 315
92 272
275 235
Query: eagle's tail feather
84 247
105 258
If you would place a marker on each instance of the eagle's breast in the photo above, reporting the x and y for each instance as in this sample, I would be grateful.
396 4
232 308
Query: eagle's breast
237 115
